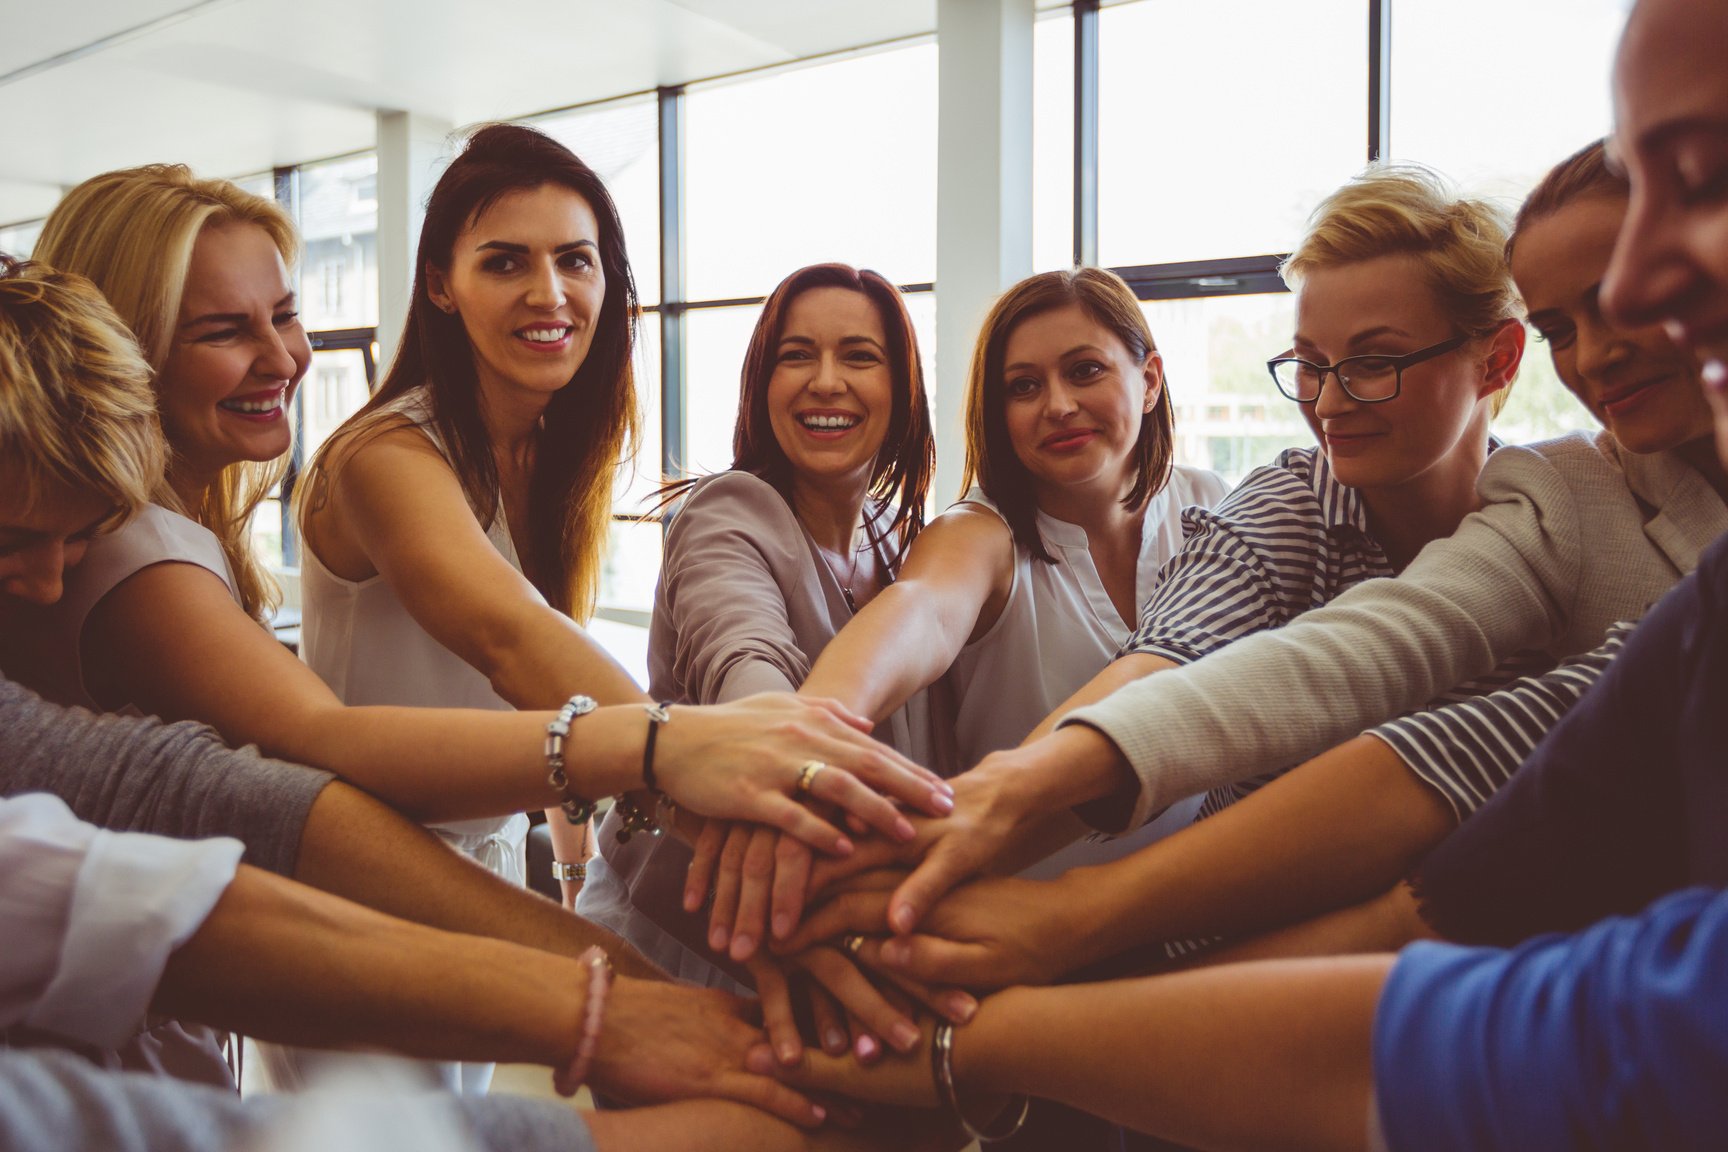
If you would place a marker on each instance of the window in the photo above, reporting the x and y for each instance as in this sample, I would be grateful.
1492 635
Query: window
620 141
835 161
1053 141
18 240
1221 124
338 218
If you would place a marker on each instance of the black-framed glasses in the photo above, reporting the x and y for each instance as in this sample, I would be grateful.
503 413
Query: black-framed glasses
1368 379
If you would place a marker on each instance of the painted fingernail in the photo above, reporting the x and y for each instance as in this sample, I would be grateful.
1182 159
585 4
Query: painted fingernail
1715 375
742 947
782 926
834 1041
867 1048
819 1112
944 801
904 1035
960 1007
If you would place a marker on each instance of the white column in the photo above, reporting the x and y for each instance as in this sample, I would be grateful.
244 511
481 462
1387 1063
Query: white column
412 152
983 193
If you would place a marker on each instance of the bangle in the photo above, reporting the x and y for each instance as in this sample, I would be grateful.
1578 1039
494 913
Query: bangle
593 1012
564 871
658 714
576 809
942 1071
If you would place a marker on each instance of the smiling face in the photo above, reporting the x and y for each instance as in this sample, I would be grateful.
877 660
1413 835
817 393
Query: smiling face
1073 397
236 354
39 541
1637 381
526 280
1385 305
831 394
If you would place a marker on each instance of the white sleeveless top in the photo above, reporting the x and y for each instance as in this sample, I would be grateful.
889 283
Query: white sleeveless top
50 643
362 641
1059 629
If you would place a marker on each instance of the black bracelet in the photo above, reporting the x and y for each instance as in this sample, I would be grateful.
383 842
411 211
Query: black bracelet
657 715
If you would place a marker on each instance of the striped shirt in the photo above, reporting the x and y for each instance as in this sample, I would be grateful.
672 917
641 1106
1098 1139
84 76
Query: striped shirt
1291 538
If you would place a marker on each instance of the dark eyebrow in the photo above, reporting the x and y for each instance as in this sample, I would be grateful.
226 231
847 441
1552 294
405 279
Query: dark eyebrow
235 317
1074 351
1662 134
522 249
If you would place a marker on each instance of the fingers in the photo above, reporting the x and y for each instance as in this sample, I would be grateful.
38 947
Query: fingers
870 855
830 1022
840 712
861 999
937 961
846 791
865 912
792 862
758 876
778 1018
726 886
936 876
772 1097
705 863
953 1004
882 770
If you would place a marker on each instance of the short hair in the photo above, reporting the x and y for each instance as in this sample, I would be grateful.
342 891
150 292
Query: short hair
1583 175
76 410
1410 210
991 461
132 233
901 475
593 419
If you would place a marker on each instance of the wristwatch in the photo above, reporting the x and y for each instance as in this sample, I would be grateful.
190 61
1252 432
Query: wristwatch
563 871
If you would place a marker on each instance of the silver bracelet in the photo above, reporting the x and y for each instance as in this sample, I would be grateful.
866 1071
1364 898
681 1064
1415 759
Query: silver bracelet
942 1071
576 809
563 871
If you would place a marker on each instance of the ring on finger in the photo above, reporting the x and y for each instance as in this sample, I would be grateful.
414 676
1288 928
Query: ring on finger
852 942
808 773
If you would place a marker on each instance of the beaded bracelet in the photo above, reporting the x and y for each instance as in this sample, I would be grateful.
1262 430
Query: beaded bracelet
593 1014
576 809
942 1071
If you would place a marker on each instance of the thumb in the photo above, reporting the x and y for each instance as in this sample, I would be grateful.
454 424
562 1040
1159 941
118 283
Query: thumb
933 879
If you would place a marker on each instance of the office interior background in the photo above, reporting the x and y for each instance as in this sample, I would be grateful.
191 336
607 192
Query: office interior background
953 145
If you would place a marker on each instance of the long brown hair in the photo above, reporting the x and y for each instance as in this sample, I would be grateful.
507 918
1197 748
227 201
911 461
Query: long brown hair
591 424
132 233
991 461
901 476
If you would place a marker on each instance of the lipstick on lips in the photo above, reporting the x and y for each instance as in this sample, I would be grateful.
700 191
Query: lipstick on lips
1068 440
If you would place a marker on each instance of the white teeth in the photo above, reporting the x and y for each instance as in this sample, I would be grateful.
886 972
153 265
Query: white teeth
256 407
543 335
812 420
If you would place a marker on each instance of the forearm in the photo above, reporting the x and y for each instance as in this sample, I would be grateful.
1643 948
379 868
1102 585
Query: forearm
1385 923
282 962
1248 1056
872 666
545 657
1122 670
1282 855
361 849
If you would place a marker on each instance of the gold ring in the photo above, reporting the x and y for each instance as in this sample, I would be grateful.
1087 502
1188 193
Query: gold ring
852 942
808 773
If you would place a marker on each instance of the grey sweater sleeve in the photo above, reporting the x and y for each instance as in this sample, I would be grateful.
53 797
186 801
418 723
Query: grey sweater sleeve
1504 582
54 1100
141 775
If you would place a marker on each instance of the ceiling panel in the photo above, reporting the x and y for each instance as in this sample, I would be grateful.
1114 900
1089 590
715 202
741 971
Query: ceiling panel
235 86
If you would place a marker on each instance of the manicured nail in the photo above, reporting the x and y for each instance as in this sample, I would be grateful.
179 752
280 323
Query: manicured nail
834 1041
717 937
742 947
692 899
867 1048
843 847
904 920
819 1112
903 828
782 925
1715 375
944 801
788 1054
960 1007
904 1035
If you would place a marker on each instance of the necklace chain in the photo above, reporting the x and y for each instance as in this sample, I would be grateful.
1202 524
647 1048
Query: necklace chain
846 584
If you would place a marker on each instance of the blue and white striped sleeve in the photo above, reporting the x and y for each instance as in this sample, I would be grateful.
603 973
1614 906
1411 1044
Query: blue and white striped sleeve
1467 751
1228 580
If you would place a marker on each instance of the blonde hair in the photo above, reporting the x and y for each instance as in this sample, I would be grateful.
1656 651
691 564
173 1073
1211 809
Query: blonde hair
132 232
991 461
76 410
1409 210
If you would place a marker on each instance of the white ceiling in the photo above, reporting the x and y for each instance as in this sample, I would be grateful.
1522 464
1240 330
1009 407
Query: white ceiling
239 86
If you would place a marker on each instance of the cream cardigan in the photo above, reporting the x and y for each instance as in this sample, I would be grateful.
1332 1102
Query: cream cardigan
1574 535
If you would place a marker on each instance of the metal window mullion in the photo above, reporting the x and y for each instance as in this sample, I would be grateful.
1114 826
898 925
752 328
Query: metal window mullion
1379 79
286 187
1086 132
672 283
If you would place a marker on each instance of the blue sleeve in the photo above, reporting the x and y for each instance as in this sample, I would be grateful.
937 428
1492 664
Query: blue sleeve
1615 1038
